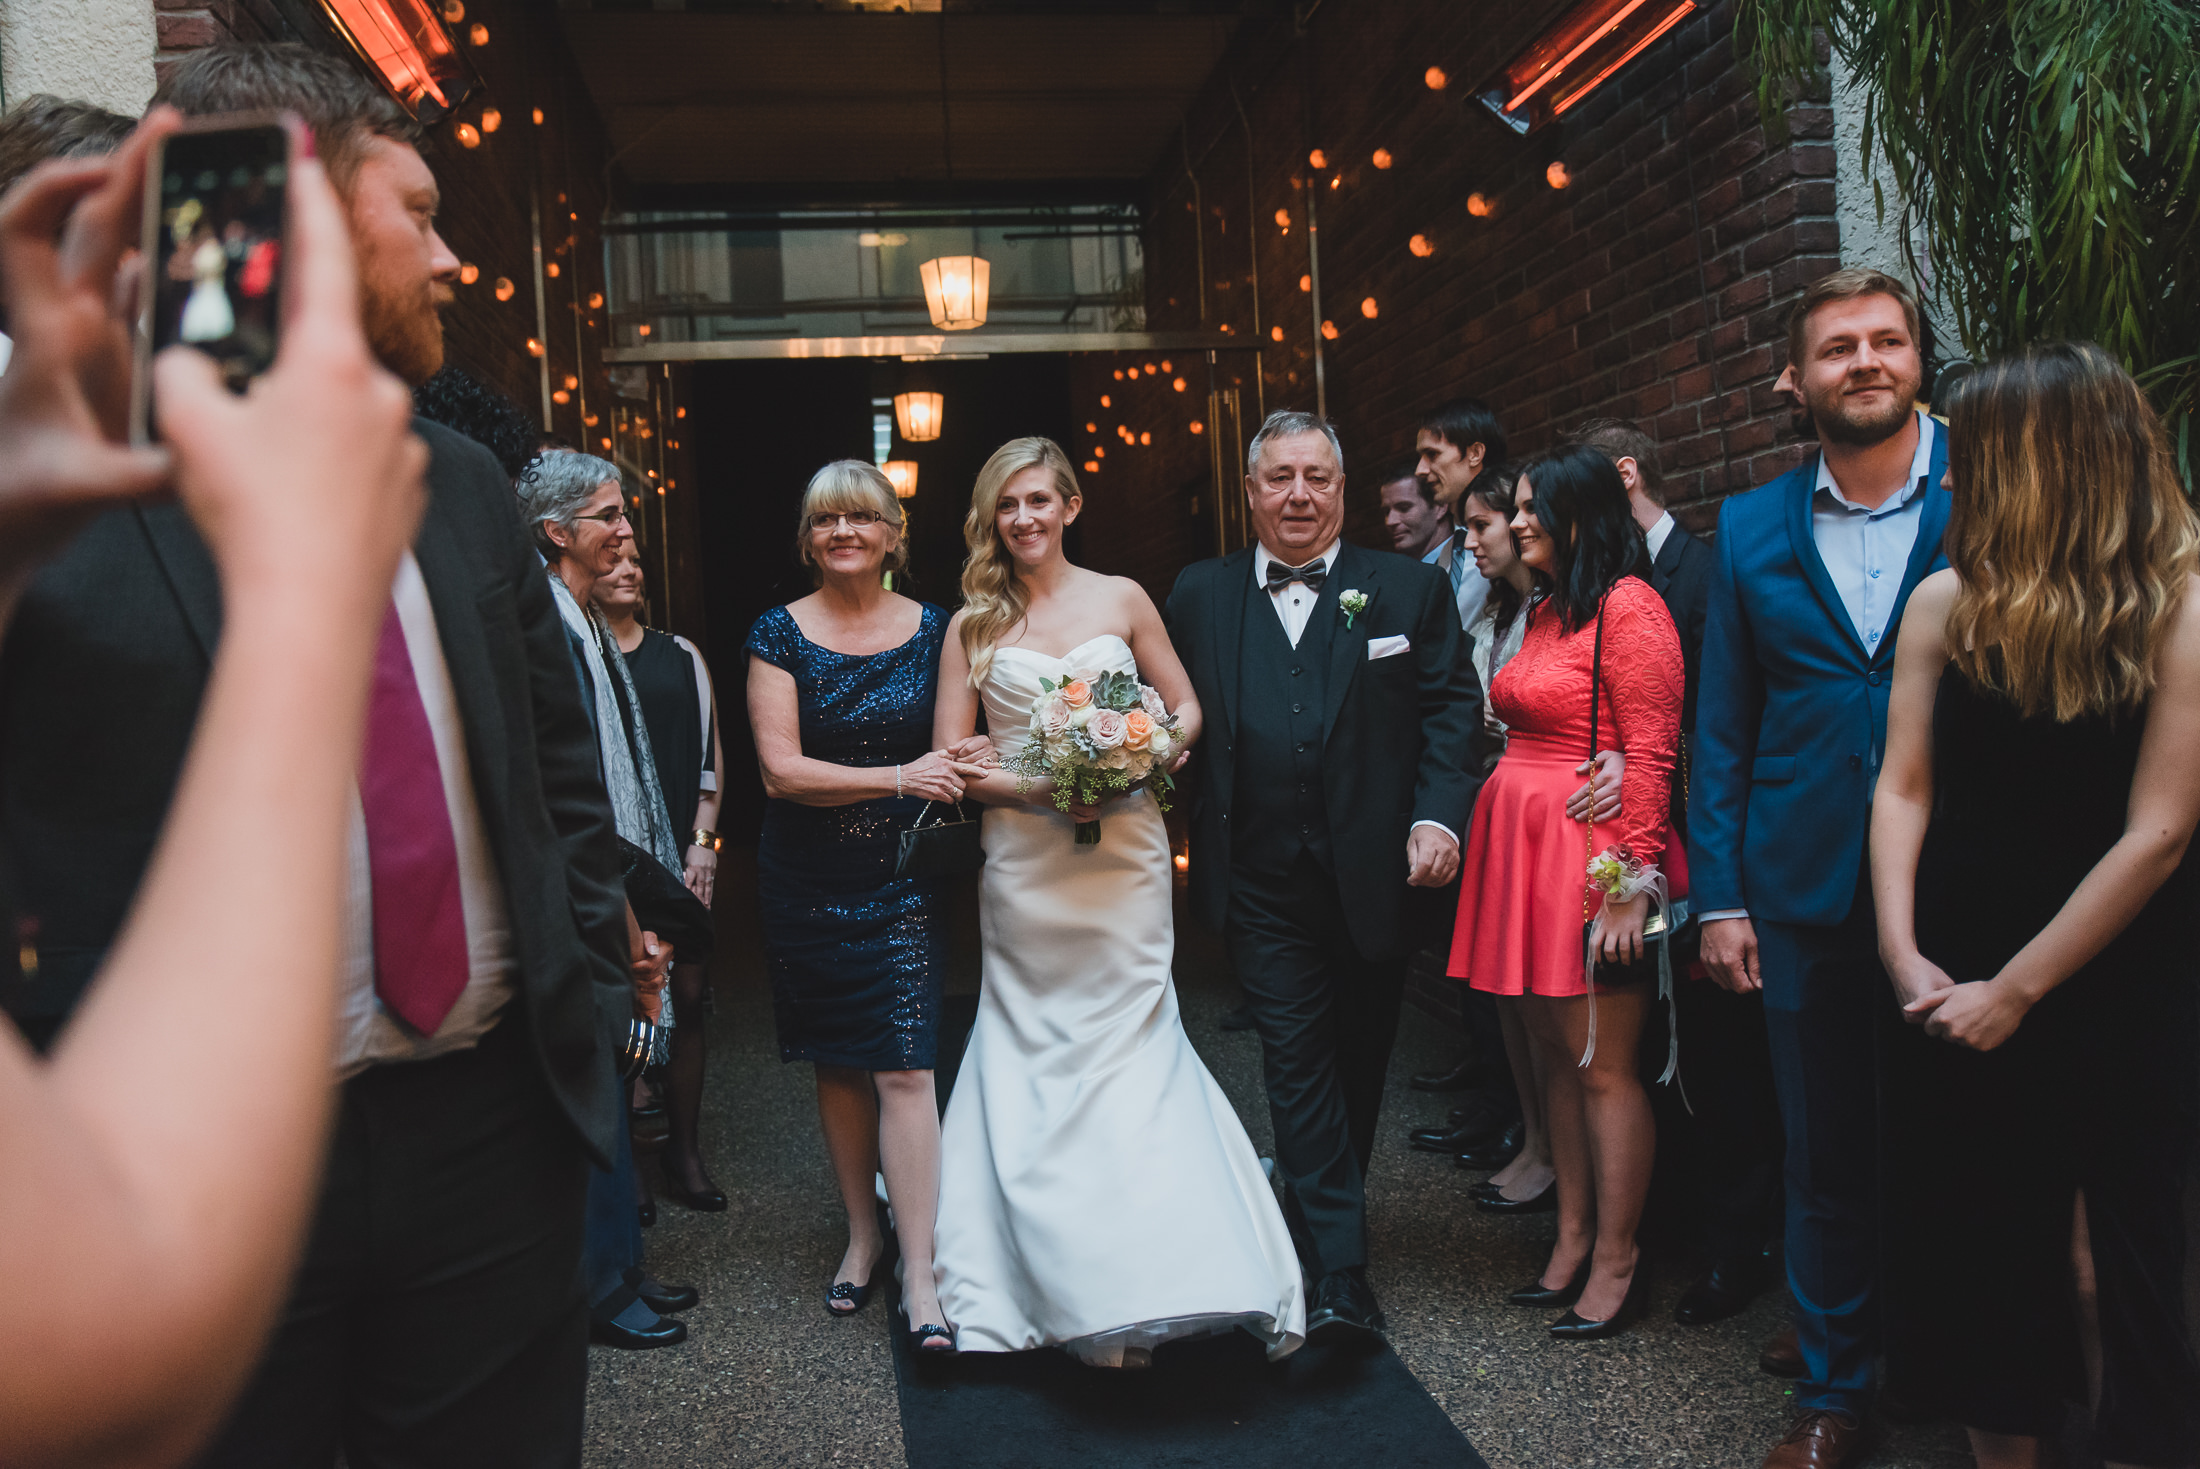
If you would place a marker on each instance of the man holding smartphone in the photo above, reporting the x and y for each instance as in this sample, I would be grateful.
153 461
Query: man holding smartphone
437 1317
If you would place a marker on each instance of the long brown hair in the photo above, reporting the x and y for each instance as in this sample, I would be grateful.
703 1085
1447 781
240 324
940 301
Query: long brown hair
2070 534
994 599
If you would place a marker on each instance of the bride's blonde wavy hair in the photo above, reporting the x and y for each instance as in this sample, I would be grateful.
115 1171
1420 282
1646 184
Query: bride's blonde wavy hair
2069 531
994 599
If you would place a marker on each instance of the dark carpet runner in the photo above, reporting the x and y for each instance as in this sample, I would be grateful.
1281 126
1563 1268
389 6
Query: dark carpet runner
1215 1403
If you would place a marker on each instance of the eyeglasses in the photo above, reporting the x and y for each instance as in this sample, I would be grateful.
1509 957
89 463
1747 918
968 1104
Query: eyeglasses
606 518
857 519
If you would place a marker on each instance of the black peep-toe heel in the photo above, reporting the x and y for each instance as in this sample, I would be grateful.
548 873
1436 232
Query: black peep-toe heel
857 1296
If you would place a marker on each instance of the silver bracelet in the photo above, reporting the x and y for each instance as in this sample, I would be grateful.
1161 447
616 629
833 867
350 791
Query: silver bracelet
897 782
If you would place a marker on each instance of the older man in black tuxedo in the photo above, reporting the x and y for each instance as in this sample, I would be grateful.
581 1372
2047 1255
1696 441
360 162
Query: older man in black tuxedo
437 1316
1340 766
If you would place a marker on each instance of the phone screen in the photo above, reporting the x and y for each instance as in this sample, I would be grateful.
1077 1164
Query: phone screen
217 247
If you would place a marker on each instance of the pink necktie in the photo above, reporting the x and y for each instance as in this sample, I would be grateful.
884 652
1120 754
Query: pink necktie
420 960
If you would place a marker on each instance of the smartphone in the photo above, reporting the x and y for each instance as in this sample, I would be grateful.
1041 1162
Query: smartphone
216 197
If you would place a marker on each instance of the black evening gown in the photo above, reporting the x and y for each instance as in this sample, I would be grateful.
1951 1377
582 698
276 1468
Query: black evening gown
672 710
854 951
2096 1090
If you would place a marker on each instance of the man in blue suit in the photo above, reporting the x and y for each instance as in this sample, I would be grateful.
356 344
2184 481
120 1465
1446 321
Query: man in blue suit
1812 574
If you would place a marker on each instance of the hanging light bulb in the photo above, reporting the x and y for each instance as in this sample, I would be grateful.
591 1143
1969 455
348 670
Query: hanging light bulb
918 415
1317 159
468 273
1480 206
505 288
478 34
956 289
902 474
491 119
1436 79
1422 246
534 348
1557 176
1368 308
467 137
454 11
1382 158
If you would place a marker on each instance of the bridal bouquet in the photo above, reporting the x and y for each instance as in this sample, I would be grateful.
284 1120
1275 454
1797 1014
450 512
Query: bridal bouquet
1097 735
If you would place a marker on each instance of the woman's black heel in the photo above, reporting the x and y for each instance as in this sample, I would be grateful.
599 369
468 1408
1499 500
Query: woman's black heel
1536 1293
857 1297
1574 1327
922 1338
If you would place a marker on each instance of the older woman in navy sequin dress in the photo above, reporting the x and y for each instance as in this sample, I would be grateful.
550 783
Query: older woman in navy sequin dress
840 695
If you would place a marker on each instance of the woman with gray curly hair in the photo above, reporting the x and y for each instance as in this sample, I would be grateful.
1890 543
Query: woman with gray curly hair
575 506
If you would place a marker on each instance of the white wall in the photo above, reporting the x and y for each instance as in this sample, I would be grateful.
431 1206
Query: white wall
97 51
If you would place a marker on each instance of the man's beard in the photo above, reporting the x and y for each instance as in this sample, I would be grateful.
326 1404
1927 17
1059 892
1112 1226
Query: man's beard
1837 423
407 335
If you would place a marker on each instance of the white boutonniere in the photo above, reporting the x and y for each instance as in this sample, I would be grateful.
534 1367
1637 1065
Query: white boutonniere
1353 602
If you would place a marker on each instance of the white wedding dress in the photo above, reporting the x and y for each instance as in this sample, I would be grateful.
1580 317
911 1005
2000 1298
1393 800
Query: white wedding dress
1097 1191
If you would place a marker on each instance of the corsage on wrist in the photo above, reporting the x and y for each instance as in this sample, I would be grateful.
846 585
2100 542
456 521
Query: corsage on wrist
1620 875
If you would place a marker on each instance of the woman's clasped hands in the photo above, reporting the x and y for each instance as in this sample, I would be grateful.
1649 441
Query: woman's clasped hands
943 774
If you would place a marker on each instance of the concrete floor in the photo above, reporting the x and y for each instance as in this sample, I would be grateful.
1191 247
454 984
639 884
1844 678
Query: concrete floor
767 1378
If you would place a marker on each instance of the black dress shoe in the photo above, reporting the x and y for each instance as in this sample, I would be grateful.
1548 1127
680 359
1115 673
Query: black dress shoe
1543 1203
708 1201
1574 1327
1726 1291
667 1300
1240 1018
1536 1293
1345 1313
1485 1190
1497 1152
1466 1072
667 1332
1480 1131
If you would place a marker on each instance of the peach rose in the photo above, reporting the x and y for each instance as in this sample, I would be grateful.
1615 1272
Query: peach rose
1137 729
1105 729
1076 693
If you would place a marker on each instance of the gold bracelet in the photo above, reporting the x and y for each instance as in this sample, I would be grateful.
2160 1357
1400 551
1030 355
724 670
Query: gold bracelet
709 841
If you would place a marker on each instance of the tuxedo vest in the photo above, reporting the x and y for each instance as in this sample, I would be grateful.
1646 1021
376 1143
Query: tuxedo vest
1277 802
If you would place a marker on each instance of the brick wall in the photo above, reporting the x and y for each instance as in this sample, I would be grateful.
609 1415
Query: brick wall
184 26
1654 287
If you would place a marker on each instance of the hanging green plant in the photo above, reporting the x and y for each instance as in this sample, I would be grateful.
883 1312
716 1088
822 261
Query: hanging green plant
2047 153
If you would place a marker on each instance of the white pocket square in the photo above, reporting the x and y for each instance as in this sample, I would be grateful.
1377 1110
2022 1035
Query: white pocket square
1389 647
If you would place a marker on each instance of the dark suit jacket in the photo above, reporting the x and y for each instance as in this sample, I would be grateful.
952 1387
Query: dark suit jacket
1682 576
1793 718
100 680
1402 735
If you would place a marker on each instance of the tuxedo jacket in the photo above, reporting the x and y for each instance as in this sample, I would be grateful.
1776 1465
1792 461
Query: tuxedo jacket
1681 574
1791 721
1402 735
101 676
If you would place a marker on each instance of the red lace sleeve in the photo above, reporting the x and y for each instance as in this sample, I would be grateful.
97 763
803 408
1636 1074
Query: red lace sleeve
1642 699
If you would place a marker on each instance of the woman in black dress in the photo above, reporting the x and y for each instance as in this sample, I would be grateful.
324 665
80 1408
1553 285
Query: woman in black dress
2035 898
841 686
681 712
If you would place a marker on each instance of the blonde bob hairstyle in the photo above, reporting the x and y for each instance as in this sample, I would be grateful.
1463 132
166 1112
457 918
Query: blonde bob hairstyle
851 484
2069 531
994 600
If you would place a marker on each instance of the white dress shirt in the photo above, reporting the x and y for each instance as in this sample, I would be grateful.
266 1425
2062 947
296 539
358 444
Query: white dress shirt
1294 602
1657 535
1295 605
366 1033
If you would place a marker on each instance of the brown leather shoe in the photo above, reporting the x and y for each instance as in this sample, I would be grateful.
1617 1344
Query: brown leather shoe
1822 1439
1783 1355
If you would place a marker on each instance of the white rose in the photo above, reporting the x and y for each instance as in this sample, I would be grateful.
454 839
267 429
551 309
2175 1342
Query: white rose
1081 716
1052 716
1150 700
1105 729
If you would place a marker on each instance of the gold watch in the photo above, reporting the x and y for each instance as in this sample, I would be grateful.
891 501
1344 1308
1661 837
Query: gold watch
709 841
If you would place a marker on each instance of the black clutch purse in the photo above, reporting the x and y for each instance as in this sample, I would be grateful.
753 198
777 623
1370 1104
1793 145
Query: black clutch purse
663 905
943 849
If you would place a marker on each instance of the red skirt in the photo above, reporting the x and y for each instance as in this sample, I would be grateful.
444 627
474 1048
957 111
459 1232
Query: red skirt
1525 877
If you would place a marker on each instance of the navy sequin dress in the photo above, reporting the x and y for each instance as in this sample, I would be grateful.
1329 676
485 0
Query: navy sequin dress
854 951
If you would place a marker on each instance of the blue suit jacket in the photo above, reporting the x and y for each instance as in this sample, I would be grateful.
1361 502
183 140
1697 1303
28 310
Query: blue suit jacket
1791 719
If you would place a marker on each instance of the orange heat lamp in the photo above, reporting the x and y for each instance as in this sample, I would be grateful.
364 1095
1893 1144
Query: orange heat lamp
403 42
1576 55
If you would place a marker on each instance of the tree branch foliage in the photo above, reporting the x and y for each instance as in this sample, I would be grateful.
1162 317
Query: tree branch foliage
2047 151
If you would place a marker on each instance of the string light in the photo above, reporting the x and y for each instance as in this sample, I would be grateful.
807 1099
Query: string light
505 288
538 117
551 270
491 119
1178 385
1329 331
595 300
1368 308
1099 451
1306 283
1283 218
1118 377
1422 246
454 11
534 348
468 274
643 329
1151 370
1105 401
478 34
1165 365
1145 438
1092 428
1092 466
1317 159
1436 79
1557 176
467 137
1276 332
1198 427
1480 206
679 413
1382 158
571 381
561 396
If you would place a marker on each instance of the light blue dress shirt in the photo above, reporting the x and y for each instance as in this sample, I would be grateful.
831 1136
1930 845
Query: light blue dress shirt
1469 588
1867 551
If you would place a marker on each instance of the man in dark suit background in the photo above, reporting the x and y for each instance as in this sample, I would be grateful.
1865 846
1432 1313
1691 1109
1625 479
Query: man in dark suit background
1340 768
437 1317
1729 1146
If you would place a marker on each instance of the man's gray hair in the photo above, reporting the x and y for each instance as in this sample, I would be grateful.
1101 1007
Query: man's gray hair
1283 424
554 488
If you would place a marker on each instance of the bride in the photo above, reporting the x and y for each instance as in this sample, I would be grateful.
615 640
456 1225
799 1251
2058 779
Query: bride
1097 1192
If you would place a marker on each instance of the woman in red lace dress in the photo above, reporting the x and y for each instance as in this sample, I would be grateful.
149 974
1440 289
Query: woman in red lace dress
1524 888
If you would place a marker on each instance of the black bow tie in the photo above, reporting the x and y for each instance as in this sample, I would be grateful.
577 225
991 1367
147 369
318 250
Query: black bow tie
1281 576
